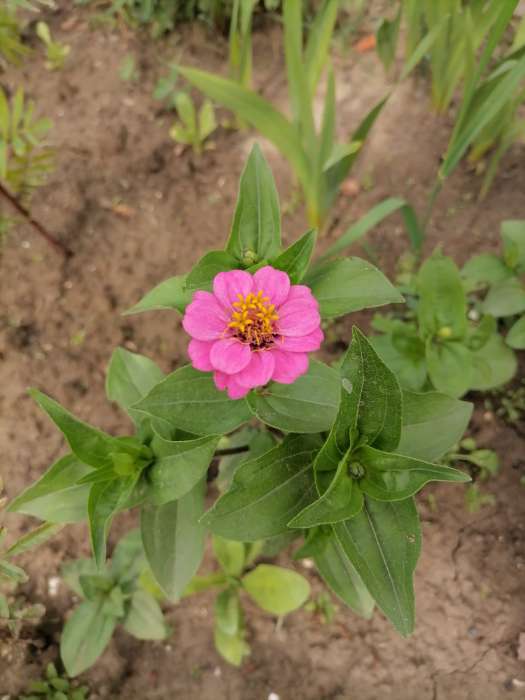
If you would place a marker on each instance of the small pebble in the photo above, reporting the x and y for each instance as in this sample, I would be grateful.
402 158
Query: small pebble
273 696
53 584
217 672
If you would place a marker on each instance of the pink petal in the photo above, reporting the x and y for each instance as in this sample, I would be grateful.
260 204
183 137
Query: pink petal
221 380
229 355
274 283
199 352
204 318
235 390
258 372
299 317
227 285
300 291
302 343
289 366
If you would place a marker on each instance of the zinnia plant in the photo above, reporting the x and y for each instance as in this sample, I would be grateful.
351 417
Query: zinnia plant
331 455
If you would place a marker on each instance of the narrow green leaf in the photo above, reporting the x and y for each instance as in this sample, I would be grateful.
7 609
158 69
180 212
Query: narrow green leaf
202 275
85 636
295 259
276 590
170 294
267 492
383 543
319 41
228 613
173 540
144 619
12 572
34 538
348 285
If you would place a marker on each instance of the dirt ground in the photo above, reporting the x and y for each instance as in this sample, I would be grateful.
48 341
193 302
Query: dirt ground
135 211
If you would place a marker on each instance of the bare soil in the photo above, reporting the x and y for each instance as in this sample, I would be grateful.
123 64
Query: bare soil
135 210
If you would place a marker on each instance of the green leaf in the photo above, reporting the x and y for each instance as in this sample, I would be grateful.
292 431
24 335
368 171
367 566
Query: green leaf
130 377
256 226
105 499
178 466
493 365
173 540
484 269
33 538
228 613
267 492
56 497
72 571
513 237
198 584
90 445
188 400
386 39
202 275
309 405
295 259
170 294
394 477
12 572
276 590
505 299
348 285
207 121
128 560
341 500
406 359
442 301
337 571
144 619
432 424
450 367
233 648
85 636
230 555
516 336
319 42
383 543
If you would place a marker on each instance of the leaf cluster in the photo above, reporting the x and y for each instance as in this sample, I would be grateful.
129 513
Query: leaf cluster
54 686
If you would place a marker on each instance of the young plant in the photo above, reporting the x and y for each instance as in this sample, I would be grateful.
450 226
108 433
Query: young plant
436 344
240 42
502 276
320 163
194 127
351 448
56 52
275 590
484 464
55 687
112 595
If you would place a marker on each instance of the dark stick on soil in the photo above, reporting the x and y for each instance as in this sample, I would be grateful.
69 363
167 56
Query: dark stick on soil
66 252
232 451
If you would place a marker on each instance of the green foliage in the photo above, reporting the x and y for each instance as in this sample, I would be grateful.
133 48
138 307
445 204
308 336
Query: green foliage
25 160
56 52
319 163
484 464
55 686
193 127
112 595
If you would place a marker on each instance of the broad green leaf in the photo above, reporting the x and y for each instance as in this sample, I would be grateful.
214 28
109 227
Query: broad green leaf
450 367
230 555
144 619
373 217
395 477
516 336
130 376
202 275
410 367
432 424
276 590
256 227
105 499
484 269
207 121
337 571
93 585
188 400
56 497
513 237
309 405
173 540
383 543
249 106
170 294
34 538
295 259
228 613
341 500
72 571
267 492
178 466
128 560
85 636
258 441
442 301
506 298
90 445
348 285
233 648
493 365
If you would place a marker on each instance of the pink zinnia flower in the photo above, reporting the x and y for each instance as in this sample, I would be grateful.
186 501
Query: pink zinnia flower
252 329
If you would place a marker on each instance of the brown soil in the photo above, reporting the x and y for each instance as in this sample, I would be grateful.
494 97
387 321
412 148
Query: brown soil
59 322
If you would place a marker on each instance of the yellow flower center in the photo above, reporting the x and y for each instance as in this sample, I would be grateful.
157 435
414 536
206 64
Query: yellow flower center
253 320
